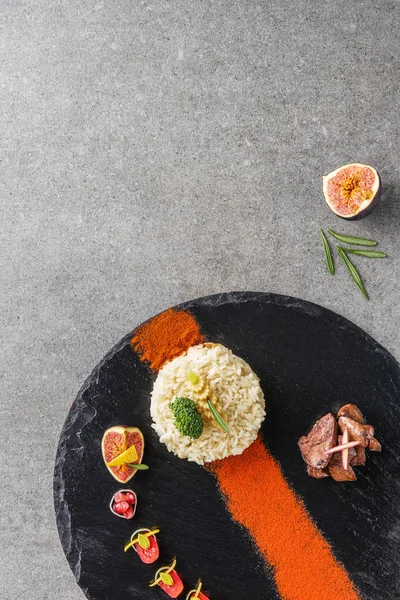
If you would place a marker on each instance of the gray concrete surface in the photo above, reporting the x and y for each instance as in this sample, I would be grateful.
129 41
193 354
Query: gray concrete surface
156 151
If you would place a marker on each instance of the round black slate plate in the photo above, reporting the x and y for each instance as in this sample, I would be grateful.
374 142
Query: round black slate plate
309 360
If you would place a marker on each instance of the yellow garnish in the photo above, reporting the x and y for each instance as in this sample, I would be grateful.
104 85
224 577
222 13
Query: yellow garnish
135 540
129 456
163 570
197 383
195 592
202 394
193 378
172 567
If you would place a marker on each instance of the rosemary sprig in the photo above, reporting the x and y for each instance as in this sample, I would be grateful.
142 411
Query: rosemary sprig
353 271
349 239
367 253
139 466
328 253
221 422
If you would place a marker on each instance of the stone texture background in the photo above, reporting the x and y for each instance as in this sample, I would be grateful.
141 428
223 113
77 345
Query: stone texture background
156 151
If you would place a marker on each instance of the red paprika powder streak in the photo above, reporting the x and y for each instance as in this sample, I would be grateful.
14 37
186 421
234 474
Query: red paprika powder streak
166 336
256 492
259 498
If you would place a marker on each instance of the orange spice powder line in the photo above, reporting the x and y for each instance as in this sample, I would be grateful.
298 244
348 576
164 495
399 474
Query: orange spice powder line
257 495
166 336
259 498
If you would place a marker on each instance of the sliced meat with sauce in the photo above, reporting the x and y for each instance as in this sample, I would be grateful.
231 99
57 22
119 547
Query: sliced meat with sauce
353 412
322 437
357 432
336 470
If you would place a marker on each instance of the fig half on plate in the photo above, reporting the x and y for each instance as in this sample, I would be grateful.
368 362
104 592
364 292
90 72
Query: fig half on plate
352 191
116 443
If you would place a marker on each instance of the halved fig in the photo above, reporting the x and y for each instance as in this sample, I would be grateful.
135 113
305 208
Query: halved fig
352 191
116 440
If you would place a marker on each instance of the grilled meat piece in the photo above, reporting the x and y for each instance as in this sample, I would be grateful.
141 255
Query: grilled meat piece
356 431
374 445
336 470
317 473
359 457
352 411
321 438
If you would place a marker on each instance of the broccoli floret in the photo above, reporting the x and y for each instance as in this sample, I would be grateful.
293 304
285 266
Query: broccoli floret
187 418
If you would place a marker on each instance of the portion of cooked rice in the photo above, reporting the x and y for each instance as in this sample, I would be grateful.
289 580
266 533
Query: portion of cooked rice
232 382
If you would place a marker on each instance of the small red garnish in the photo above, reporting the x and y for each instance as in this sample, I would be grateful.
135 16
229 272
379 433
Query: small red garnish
121 507
120 497
148 555
197 594
145 544
129 513
168 580
123 504
176 588
131 498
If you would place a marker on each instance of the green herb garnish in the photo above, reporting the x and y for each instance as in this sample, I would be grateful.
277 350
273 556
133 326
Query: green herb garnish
353 271
367 253
143 541
349 239
166 578
328 253
139 466
221 422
